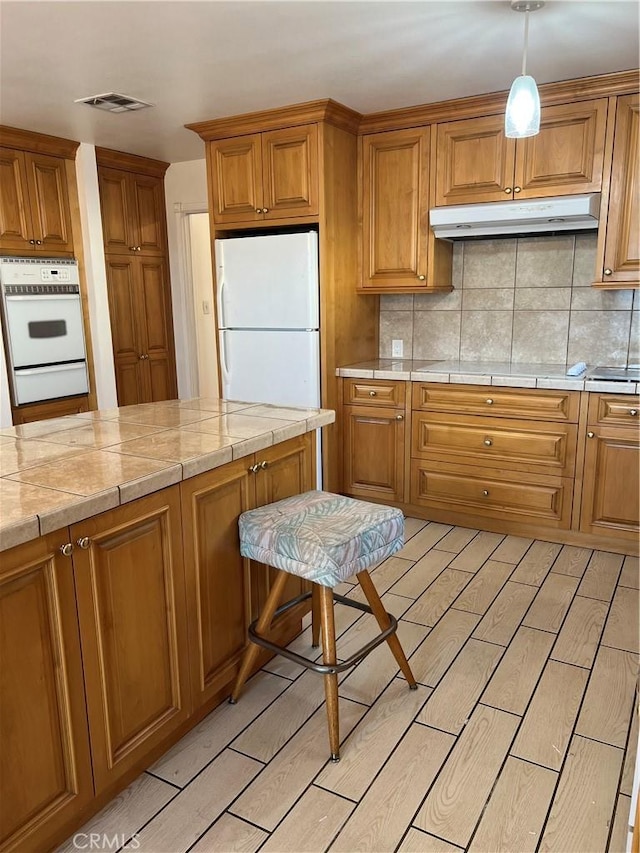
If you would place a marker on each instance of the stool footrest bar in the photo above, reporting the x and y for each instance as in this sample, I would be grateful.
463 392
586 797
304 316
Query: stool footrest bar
324 669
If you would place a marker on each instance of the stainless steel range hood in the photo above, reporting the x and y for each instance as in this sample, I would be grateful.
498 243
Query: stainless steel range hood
531 216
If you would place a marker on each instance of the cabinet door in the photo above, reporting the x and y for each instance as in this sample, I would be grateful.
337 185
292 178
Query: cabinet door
125 334
50 409
286 469
622 235
235 167
611 483
115 202
290 172
217 577
49 202
475 161
133 625
567 155
374 442
15 215
395 183
148 223
155 327
45 769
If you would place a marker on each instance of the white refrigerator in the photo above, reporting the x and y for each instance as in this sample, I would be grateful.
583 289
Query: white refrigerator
269 318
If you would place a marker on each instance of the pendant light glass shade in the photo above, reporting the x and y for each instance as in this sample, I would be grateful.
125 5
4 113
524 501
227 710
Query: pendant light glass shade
522 116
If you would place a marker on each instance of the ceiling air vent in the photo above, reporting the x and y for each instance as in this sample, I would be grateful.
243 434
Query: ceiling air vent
113 102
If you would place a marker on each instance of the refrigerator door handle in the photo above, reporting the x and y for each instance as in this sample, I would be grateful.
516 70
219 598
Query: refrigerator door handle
223 361
221 322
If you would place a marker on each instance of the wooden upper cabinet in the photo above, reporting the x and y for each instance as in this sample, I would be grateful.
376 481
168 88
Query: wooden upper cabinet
35 217
618 262
133 212
133 625
477 163
290 172
45 769
399 251
263 176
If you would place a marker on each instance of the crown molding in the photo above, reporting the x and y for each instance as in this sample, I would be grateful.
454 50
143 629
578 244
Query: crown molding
584 88
131 162
38 143
326 110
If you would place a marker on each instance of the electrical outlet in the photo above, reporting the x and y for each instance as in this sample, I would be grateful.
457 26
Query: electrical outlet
206 306
397 349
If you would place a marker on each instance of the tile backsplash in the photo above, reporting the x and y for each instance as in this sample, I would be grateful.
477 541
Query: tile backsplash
522 299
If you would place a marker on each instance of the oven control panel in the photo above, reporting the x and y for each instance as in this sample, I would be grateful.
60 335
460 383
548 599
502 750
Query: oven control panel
40 289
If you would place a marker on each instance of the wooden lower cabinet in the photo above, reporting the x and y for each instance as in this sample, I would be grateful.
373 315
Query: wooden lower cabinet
611 483
494 493
224 590
49 409
45 768
129 579
374 448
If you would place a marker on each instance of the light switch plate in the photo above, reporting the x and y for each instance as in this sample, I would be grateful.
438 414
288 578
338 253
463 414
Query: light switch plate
397 349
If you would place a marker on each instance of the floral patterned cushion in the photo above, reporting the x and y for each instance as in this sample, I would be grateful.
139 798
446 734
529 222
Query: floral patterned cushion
323 537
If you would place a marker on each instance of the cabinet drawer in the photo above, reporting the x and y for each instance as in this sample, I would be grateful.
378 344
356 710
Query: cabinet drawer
610 410
536 405
547 448
374 392
493 493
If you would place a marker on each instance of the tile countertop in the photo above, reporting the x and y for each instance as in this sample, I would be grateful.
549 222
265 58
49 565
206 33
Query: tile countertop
504 374
56 472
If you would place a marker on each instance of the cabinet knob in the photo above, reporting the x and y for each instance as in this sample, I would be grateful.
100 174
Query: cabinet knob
84 542
253 469
608 272
265 210
508 190
66 550
633 412
399 417
488 442
489 401
258 210
591 435
32 242
372 393
132 248
264 464
421 277
143 357
517 189
485 492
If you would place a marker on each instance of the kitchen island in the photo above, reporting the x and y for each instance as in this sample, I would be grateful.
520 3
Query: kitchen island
125 600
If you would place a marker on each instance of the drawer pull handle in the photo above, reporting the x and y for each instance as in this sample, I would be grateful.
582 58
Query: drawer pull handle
485 492
84 542
488 442
633 412
372 393
399 417
591 435
489 401
66 550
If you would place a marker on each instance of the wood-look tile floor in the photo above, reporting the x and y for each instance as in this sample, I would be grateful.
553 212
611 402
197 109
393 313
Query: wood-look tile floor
521 736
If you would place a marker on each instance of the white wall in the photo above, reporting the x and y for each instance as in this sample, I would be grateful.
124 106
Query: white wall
92 242
200 252
185 187
5 401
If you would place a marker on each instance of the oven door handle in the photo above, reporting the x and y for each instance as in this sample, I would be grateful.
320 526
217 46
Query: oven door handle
44 297
53 368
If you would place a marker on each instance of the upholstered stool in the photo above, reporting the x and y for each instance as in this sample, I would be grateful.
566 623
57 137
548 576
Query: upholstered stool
325 539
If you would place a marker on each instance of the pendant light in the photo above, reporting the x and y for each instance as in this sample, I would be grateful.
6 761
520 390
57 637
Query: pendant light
522 116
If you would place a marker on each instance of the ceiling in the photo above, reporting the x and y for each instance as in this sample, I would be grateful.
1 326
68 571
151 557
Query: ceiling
202 60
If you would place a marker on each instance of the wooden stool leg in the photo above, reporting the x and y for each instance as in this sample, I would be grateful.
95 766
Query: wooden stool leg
315 615
262 626
380 613
325 594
